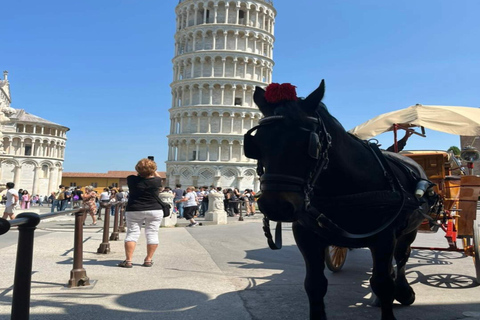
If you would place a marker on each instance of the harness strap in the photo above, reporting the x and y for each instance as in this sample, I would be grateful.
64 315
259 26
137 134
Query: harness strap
277 244
397 188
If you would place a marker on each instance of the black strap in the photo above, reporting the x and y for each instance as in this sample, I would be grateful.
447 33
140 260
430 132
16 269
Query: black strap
277 244
163 204
396 187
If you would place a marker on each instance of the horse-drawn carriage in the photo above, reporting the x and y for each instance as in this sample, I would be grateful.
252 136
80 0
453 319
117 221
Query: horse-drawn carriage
340 190
454 214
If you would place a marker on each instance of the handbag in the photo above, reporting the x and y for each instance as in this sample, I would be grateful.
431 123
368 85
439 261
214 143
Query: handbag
166 207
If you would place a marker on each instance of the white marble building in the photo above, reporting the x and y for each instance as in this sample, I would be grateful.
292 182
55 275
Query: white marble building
223 49
32 149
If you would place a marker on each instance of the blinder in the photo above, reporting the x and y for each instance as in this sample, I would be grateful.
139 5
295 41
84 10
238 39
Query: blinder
314 146
250 149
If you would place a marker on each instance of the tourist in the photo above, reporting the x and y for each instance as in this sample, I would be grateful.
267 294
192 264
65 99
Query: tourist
231 203
143 207
249 202
77 196
121 195
12 200
25 200
89 204
51 199
178 194
40 200
59 195
20 194
191 205
66 199
104 199
113 201
204 203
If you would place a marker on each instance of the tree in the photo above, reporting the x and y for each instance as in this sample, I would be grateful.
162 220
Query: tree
455 150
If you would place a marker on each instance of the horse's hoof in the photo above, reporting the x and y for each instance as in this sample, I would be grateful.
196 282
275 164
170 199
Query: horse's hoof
407 300
375 301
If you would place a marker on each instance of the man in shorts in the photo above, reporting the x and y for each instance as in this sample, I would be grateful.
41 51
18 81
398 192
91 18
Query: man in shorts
12 200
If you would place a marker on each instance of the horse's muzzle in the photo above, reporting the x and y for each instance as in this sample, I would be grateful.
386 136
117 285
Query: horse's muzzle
281 206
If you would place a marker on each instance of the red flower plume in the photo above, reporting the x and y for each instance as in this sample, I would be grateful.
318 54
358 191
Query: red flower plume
277 92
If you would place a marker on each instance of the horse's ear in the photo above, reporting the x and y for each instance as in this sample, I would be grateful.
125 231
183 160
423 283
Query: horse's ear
316 96
259 99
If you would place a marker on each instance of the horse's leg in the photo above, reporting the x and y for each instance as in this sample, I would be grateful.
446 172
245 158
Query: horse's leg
403 291
382 282
313 251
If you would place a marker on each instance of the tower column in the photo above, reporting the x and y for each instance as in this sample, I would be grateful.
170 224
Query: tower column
222 94
230 149
235 36
244 92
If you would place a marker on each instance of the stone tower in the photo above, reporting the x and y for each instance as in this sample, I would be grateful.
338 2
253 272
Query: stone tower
223 49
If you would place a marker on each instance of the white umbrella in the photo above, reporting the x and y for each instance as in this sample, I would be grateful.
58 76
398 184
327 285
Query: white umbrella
463 121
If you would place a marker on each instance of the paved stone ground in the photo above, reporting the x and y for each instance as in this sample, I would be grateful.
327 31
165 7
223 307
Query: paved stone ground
224 272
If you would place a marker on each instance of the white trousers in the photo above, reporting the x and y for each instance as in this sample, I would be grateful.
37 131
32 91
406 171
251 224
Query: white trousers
135 219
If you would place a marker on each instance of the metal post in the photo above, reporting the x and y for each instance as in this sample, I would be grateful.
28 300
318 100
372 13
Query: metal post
23 267
114 235
105 245
121 227
78 275
240 218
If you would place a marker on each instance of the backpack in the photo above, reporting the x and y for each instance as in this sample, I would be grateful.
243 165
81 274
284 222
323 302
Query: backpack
61 196
76 197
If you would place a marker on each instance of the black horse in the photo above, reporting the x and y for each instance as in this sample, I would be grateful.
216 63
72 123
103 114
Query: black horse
337 190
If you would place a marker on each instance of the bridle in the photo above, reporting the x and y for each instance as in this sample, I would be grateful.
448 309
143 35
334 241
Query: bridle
319 144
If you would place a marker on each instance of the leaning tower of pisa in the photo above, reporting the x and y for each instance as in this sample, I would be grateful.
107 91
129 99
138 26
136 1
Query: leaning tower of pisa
223 49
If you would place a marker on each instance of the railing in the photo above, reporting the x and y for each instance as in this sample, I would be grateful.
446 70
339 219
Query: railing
27 223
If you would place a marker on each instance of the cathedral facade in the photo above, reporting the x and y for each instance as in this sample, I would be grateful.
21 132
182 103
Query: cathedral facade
32 149
223 50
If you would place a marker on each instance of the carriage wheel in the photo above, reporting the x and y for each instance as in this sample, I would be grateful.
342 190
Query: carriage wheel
335 257
476 249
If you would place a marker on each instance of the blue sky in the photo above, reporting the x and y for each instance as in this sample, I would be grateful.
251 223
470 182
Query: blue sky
103 68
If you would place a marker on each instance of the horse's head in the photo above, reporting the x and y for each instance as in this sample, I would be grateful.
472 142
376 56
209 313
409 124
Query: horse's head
290 144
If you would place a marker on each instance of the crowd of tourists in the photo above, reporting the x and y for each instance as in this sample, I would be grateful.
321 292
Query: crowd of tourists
233 200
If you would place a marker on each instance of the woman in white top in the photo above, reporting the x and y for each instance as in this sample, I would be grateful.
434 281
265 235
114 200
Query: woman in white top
190 206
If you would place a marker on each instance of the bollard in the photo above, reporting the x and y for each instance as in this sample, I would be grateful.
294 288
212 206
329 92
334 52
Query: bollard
114 236
78 275
23 267
105 245
121 226
240 218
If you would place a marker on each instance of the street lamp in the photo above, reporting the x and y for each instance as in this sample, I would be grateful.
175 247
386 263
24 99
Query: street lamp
470 154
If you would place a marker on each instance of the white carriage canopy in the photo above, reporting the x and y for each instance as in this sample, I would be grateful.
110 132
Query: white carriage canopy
464 121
